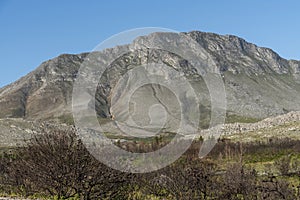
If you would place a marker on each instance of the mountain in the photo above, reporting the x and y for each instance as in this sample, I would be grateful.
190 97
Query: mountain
258 82
45 92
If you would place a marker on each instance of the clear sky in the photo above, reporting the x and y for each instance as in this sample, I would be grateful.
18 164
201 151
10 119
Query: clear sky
34 31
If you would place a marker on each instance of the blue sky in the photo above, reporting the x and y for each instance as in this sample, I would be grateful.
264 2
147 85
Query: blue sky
34 31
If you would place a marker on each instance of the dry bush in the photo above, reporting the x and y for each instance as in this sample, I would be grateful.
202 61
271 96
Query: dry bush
274 188
56 163
185 179
238 182
283 165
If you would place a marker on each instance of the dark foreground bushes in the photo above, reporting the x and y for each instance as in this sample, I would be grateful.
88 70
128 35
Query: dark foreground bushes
56 164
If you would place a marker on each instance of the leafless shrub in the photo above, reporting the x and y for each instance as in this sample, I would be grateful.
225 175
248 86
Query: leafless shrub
56 163
238 183
273 188
190 179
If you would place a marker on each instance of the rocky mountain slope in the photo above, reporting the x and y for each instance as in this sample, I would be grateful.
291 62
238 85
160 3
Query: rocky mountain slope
16 131
259 83
44 92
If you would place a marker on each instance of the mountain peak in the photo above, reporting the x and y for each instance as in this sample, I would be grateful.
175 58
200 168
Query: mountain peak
259 83
235 54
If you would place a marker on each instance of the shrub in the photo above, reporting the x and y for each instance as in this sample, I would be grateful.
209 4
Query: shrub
56 163
283 165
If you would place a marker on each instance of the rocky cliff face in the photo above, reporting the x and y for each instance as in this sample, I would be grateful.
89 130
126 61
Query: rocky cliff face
259 83
44 92
235 55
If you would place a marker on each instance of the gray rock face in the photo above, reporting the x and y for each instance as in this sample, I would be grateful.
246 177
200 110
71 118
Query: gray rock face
44 92
259 83
235 55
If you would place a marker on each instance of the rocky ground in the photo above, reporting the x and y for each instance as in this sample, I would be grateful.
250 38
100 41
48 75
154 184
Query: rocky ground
15 131
287 125
282 126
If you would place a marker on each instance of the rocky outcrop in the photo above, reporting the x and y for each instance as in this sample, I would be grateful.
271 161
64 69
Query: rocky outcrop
281 126
270 122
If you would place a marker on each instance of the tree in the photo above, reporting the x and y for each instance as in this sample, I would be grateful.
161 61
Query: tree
56 163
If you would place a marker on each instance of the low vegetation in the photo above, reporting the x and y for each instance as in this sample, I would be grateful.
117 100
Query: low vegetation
56 165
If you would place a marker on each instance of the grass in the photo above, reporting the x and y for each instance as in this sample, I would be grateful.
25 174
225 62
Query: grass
66 119
232 118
